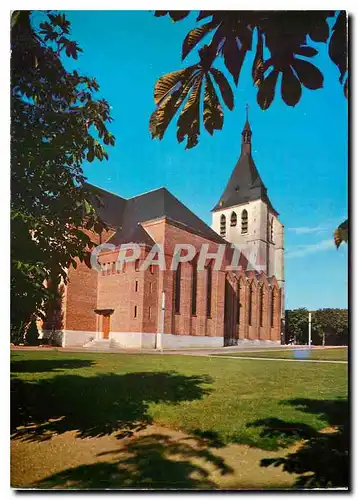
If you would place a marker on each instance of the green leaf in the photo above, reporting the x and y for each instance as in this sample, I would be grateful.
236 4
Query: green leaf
166 83
213 115
178 15
291 90
341 234
233 57
194 37
338 45
319 32
14 17
258 64
87 206
309 75
90 155
266 92
224 86
162 116
189 120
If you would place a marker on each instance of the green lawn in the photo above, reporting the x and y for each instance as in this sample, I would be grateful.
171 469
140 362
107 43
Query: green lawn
63 397
324 354
96 394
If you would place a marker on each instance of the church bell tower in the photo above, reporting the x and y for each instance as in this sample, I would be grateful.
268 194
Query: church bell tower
245 216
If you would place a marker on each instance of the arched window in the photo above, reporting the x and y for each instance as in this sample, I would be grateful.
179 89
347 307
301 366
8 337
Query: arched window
222 225
177 289
261 306
208 288
194 285
251 293
272 307
233 219
244 222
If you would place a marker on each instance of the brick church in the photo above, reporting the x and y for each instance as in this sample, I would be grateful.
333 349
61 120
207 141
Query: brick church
136 306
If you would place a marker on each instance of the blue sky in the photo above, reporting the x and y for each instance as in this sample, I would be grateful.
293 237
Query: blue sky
301 153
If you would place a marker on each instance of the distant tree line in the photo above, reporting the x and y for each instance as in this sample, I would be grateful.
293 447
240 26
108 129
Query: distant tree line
328 327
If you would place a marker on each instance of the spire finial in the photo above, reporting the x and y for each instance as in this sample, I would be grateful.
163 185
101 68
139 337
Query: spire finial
246 134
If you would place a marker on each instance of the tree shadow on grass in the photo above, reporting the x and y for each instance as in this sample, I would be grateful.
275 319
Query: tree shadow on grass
322 461
156 461
96 406
48 365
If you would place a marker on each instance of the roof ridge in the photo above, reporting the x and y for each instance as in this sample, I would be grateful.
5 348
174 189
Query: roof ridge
148 192
105 190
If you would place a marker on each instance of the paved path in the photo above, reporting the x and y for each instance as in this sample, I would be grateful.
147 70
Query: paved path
281 359
187 352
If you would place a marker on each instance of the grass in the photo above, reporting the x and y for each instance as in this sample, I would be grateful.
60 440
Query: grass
263 405
188 393
339 354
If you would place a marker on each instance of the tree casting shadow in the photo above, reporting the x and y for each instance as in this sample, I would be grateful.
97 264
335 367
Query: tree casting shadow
156 461
47 365
95 406
323 459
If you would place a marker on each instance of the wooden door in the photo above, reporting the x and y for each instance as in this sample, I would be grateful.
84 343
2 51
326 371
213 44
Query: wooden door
106 325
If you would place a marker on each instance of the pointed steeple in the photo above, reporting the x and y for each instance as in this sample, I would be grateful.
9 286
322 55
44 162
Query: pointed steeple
246 135
245 183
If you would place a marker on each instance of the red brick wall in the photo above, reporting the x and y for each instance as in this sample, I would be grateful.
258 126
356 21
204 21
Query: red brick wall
126 291
81 299
113 289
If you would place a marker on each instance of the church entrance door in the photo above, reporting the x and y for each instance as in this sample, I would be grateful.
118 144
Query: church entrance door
106 325
230 311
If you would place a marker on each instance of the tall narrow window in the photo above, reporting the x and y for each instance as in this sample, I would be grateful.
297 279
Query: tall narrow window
233 219
244 222
135 311
149 312
272 307
136 265
271 231
177 289
238 301
136 286
250 304
194 285
208 288
222 225
261 305
109 268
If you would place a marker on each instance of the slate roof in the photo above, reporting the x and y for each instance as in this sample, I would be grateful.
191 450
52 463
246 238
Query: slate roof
126 215
245 183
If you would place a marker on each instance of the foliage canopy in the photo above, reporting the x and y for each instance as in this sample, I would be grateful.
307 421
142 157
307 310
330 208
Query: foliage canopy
282 45
56 124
